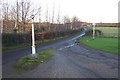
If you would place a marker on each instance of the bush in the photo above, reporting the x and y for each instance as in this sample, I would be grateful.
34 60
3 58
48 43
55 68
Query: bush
13 39
16 39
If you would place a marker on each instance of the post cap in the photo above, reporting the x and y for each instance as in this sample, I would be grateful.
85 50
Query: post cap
32 16
94 24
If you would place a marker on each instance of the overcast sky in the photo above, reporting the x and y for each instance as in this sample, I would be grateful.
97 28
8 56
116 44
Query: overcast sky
85 10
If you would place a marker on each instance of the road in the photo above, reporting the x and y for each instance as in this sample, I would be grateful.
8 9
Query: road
70 61
9 56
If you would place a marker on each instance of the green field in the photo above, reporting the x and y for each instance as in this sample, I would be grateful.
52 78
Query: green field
109 31
104 44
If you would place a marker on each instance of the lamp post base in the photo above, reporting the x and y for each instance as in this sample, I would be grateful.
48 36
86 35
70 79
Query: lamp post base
33 50
33 56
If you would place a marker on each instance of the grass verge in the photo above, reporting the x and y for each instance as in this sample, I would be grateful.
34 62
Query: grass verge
104 44
28 63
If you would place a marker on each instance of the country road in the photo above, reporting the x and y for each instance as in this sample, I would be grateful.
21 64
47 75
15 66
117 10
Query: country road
70 61
73 61
10 56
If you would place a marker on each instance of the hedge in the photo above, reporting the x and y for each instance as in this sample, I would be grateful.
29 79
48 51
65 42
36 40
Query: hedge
17 38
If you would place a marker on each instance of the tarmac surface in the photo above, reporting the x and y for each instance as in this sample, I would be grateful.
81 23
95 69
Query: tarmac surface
69 61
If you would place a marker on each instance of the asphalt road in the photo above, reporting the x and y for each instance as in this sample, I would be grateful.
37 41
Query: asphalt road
10 56
70 61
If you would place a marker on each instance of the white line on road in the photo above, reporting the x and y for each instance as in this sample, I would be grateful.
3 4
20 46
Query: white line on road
67 46
77 37
71 40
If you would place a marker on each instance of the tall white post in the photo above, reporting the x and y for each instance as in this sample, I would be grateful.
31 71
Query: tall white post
94 30
33 36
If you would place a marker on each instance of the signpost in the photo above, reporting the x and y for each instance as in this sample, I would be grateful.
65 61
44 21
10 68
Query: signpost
33 36
94 30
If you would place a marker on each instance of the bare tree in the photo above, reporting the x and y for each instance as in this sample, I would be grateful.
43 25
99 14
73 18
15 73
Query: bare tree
47 16
58 20
53 17
74 22
53 13
1 17
49 23
66 21
5 15
25 9
15 15
5 9
75 19
20 12
39 11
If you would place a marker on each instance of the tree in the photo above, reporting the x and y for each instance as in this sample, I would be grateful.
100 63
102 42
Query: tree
39 11
74 23
66 22
5 11
47 23
53 17
20 13
25 10
58 17
1 17
58 22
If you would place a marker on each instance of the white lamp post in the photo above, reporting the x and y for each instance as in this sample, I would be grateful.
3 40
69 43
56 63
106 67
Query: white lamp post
94 30
33 36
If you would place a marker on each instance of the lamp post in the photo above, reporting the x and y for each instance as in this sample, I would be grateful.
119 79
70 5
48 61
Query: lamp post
94 30
33 36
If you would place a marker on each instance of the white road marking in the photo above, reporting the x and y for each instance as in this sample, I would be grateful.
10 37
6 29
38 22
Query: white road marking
77 37
67 46
71 40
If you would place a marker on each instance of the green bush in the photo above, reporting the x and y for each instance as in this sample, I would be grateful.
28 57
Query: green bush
13 39
16 39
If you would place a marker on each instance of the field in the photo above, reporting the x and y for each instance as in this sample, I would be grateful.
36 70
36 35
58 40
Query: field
109 31
104 44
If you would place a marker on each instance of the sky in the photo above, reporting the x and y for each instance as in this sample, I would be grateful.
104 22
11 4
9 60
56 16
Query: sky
93 11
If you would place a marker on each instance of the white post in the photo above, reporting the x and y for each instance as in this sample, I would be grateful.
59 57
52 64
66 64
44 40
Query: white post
94 30
33 36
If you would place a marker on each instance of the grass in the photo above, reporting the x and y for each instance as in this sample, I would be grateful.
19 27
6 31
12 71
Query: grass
109 31
104 44
28 63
